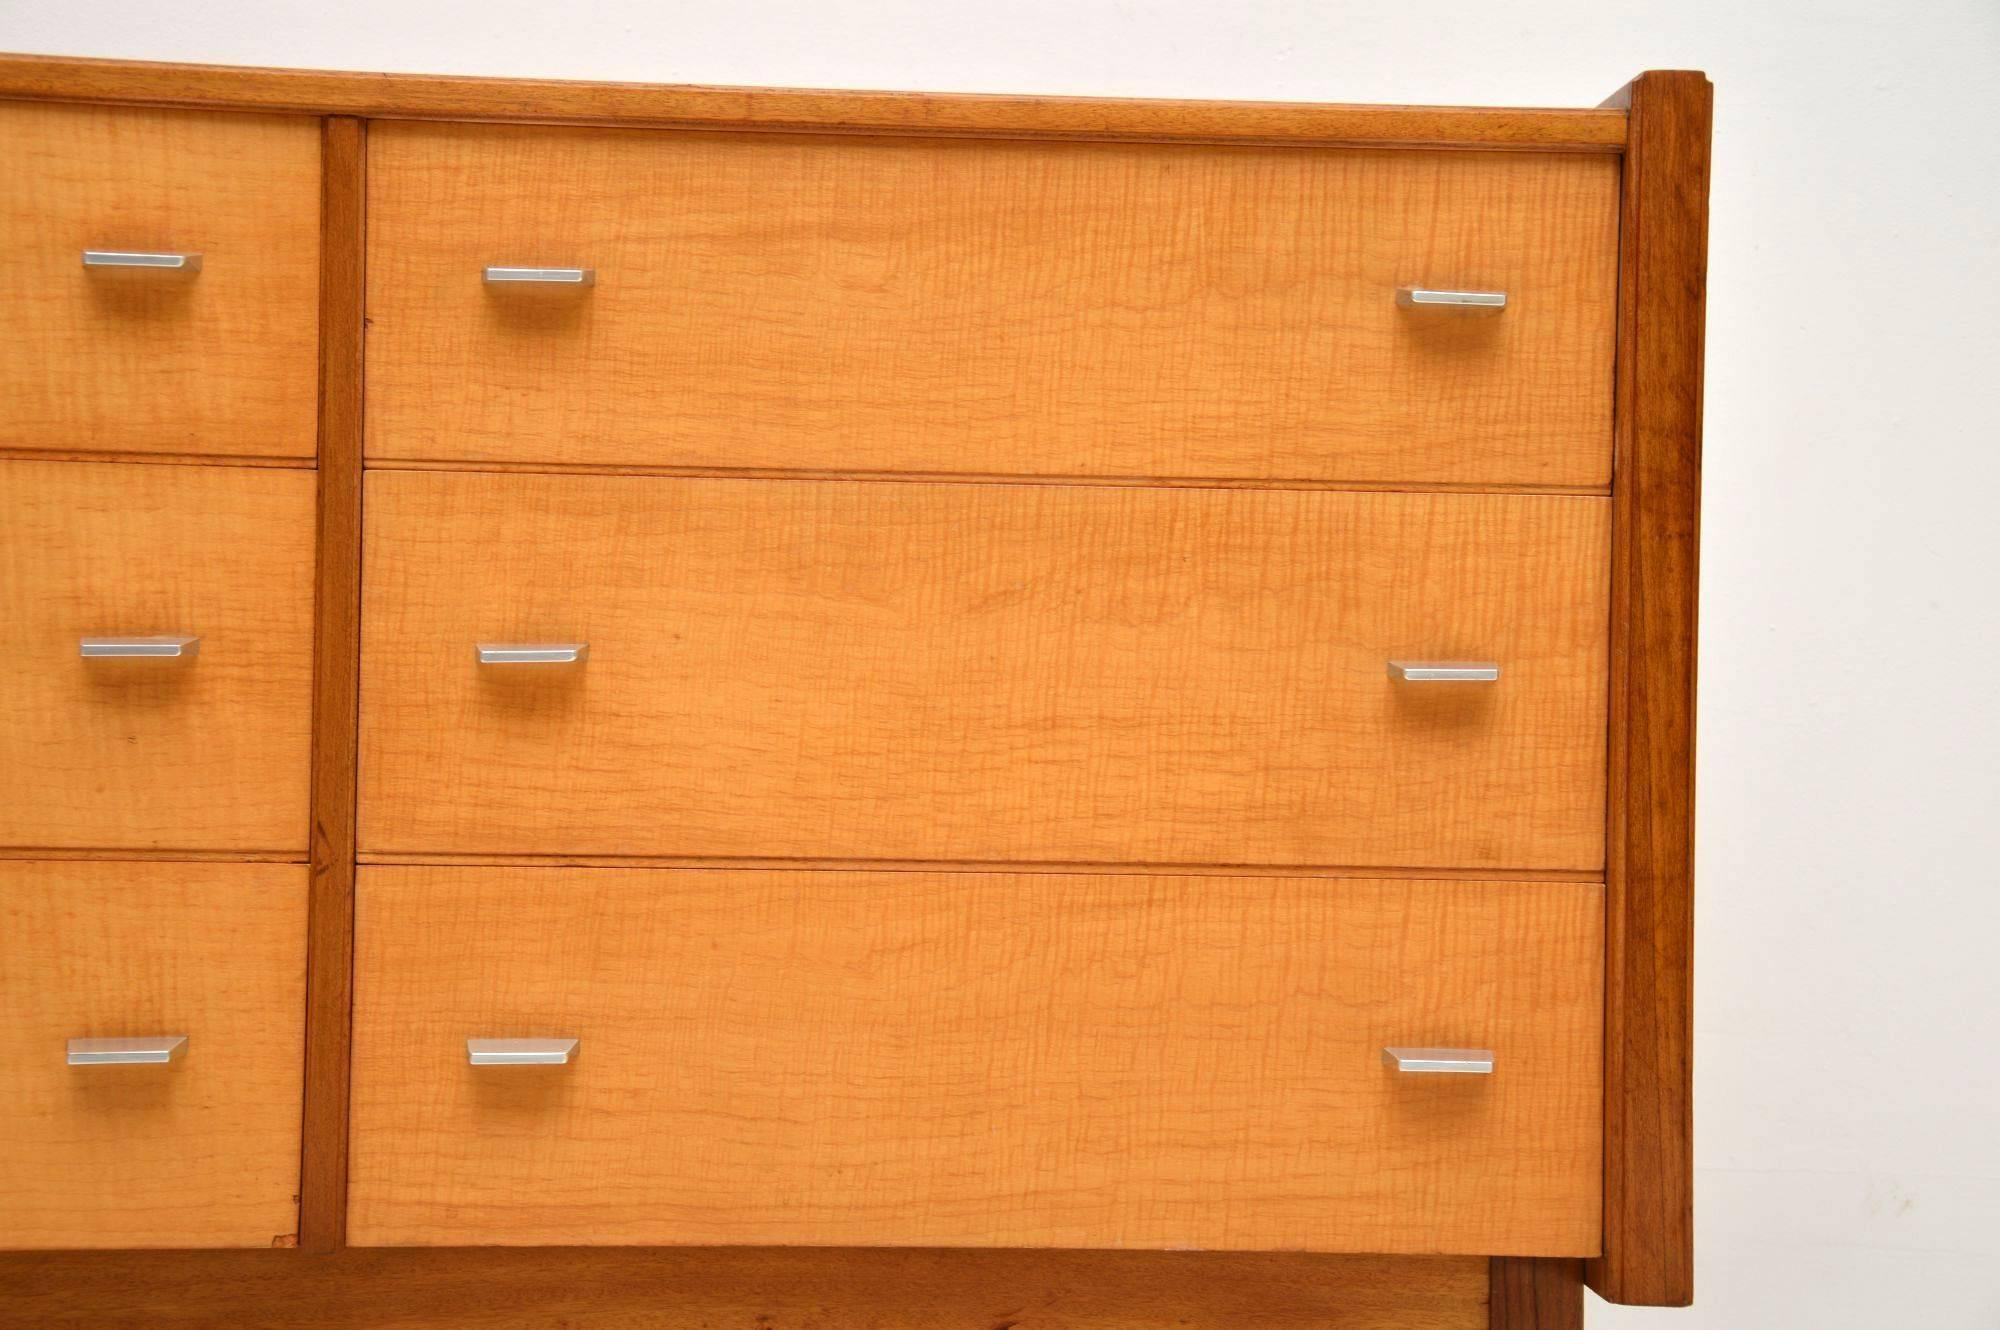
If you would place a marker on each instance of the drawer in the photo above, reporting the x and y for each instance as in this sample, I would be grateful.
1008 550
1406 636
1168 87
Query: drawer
220 359
1000 1060
1069 674
856 304
204 751
201 1151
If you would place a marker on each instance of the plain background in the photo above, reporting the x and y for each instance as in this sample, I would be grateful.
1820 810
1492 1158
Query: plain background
1848 1001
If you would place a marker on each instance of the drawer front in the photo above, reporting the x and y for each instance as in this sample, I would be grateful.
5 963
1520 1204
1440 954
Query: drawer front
202 1151
865 304
220 359
1068 674
207 751
1003 1060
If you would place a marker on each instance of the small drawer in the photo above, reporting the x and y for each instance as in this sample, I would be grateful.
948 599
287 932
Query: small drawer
156 624
152 1043
1070 674
162 273
1057 309
973 1059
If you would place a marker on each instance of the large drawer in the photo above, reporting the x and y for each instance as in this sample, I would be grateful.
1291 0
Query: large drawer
200 1151
204 751
967 1059
1071 674
222 358
855 304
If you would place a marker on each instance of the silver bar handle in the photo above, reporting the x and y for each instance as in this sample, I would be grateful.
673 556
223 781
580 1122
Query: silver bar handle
1428 297
109 648
533 653
520 1052
502 276
149 1052
1440 1061
132 258
1445 671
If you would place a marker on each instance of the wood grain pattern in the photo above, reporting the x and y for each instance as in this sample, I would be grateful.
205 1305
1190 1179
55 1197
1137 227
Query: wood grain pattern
454 97
207 753
741 1289
981 672
975 866
974 1060
219 362
1648 1254
1011 308
204 1152
1532 1294
336 689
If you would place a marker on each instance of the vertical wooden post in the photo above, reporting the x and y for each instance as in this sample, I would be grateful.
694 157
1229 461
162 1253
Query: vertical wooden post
336 667
1648 1250
1525 1293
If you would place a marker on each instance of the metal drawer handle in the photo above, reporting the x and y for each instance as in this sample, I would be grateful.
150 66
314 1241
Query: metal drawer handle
147 1052
131 258
1445 671
108 648
502 276
1440 1061
1425 297
520 1052
533 653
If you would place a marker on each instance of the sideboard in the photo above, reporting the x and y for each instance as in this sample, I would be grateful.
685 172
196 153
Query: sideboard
687 706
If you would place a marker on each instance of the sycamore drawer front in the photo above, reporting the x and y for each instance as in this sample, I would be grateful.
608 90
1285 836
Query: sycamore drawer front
974 1059
980 672
854 304
201 1151
194 326
200 743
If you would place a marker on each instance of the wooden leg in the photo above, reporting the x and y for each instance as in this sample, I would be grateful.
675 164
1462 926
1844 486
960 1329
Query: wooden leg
1532 1294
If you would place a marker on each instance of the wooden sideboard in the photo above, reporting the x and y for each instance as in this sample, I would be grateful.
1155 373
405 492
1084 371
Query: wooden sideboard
686 706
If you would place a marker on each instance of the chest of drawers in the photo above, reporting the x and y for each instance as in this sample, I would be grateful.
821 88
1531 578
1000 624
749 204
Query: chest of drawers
873 700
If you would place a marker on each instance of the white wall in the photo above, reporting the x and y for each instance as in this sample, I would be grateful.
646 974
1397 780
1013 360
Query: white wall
1848 1069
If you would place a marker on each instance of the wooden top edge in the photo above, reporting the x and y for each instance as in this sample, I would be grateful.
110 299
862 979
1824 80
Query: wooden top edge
552 101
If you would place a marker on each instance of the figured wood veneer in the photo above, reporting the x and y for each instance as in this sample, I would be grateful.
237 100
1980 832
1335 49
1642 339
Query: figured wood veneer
995 308
974 1059
202 754
121 361
203 1152
981 672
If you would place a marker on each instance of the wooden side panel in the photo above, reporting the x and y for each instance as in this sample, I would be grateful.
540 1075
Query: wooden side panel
201 754
981 672
1648 1254
742 1289
1002 308
219 362
1531 1294
200 1153
336 688
975 1059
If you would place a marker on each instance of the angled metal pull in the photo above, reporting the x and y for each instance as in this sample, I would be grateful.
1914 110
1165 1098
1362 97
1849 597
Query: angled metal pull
533 653
520 1052
152 1051
132 258
1445 671
1427 297
503 276
1440 1061
112 648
